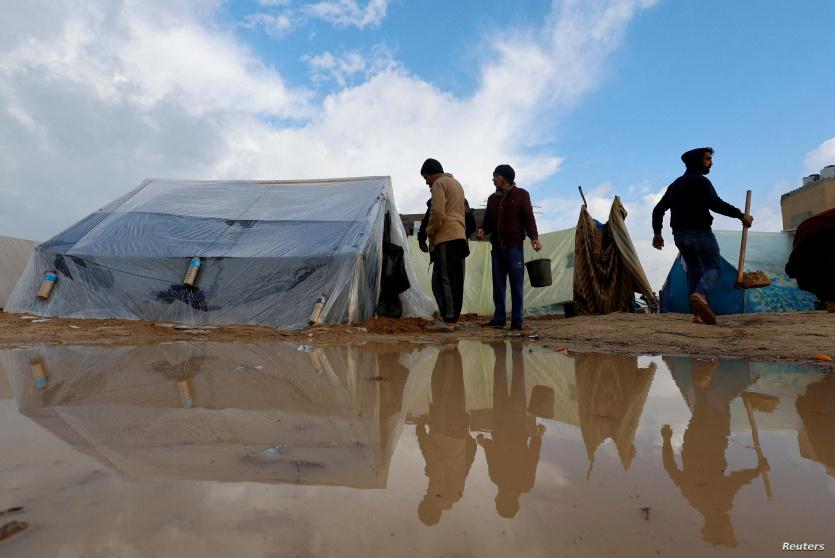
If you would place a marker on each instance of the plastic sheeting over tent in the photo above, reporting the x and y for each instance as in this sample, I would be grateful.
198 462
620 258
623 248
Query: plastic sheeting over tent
767 252
268 250
558 246
14 254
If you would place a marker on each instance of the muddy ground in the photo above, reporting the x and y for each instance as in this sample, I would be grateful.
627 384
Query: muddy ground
764 337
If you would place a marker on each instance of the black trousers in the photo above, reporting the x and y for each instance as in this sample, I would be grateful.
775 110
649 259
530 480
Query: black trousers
448 278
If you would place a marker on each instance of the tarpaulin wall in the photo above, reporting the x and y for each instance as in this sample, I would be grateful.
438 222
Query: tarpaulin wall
558 246
765 251
14 254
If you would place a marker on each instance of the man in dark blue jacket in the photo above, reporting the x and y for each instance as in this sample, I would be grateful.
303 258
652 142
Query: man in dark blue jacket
690 200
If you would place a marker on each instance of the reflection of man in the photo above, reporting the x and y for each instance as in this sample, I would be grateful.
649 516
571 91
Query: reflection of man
702 479
511 458
447 446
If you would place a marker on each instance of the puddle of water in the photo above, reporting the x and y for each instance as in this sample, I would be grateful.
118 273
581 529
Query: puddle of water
467 449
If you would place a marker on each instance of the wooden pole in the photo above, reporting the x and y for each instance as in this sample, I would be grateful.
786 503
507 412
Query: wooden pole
740 270
582 196
756 437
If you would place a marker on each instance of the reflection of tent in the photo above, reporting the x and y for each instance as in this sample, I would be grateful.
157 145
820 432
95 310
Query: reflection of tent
558 246
543 367
607 272
816 408
767 252
611 392
268 250
14 253
267 413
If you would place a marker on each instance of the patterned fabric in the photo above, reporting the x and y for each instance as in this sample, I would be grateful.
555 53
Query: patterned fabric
607 271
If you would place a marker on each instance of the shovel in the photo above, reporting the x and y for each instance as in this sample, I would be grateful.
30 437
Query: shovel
751 279
765 403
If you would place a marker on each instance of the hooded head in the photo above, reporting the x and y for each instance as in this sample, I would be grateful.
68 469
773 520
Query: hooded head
694 159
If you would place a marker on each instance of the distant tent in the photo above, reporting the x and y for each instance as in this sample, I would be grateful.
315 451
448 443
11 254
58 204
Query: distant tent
268 251
607 271
767 252
14 253
558 246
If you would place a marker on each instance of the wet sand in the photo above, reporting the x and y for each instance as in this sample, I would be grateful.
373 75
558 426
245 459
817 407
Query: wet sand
463 449
795 337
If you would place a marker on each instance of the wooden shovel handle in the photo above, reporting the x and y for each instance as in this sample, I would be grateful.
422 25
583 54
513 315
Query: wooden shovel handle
740 270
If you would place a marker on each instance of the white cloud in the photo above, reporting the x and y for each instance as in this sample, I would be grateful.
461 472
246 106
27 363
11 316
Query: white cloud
345 13
97 96
276 26
347 67
821 156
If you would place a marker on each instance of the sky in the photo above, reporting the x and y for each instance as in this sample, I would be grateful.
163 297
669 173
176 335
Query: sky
97 95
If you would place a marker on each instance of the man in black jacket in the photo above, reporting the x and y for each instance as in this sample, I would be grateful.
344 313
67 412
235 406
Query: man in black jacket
690 200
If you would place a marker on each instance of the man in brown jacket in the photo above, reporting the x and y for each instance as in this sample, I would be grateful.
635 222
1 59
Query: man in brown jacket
447 243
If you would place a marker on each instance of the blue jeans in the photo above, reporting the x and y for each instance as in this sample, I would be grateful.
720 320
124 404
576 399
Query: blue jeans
508 263
700 253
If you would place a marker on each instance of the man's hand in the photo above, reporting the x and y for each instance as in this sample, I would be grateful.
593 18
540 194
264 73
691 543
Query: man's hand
536 244
423 246
479 234
666 432
747 220
658 242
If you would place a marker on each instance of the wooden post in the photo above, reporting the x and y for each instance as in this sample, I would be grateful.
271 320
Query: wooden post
740 270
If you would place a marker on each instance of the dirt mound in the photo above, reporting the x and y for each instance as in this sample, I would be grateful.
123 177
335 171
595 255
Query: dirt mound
392 325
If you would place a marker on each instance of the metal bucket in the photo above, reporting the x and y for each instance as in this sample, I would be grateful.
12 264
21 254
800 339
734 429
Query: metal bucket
540 272
542 402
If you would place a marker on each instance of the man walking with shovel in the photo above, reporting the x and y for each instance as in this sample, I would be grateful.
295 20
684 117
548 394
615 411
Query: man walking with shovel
690 199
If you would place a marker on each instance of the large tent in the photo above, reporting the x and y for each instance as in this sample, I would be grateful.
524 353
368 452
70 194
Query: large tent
268 250
14 253
767 252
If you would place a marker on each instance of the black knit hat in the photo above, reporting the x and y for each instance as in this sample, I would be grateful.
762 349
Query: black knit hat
430 167
507 172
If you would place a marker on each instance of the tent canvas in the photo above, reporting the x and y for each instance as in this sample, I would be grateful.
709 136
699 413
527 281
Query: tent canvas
767 252
14 254
558 246
268 250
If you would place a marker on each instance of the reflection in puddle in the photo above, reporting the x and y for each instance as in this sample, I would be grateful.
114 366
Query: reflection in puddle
459 435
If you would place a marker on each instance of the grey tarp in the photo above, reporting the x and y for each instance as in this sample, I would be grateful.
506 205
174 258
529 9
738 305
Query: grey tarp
14 254
268 250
